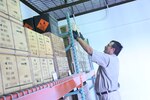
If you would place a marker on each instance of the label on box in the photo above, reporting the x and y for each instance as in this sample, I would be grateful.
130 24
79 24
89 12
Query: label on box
42 25
1 89
55 76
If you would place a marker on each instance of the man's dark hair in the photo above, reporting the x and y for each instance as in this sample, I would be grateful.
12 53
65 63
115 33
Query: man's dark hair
118 47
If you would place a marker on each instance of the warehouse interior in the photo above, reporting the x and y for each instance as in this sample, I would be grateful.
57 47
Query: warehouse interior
100 22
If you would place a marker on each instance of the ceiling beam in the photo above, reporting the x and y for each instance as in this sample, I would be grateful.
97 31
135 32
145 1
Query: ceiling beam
89 11
30 6
65 5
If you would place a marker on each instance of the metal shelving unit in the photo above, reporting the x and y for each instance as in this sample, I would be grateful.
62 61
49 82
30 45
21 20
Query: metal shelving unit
52 90
74 54
62 87
56 89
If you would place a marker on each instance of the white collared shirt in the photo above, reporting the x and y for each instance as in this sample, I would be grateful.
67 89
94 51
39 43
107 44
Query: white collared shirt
108 71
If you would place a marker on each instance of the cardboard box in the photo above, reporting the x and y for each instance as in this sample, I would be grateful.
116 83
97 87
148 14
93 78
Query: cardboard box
45 70
29 23
14 9
9 73
48 45
63 66
50 64
36 70
24 72
1 85
58 45
20 40
6 39
64 28
3 8
46 23
41 45
32 42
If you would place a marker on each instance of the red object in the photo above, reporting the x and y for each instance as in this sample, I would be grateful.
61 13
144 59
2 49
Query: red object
51 91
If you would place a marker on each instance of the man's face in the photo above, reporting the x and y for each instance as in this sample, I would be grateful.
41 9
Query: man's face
108 48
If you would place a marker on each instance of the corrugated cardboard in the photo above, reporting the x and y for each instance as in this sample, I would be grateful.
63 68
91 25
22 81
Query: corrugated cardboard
24 72
50 64
36 70
41 45
3 8
9 73
14 9
6 38
19 38
32 42
63 66
45 69
48 44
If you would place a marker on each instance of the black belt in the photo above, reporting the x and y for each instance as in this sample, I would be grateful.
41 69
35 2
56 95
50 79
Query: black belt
106 92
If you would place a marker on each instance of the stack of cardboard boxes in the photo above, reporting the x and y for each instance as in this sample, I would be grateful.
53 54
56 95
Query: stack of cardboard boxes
61 60
82 56
10 33
26 56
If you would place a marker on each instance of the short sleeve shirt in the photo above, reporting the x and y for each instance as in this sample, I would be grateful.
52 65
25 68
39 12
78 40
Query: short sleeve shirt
108 71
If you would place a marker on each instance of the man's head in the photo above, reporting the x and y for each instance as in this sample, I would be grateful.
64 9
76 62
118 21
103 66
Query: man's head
114 47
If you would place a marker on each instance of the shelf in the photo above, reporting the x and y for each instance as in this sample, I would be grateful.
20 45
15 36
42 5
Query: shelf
53 90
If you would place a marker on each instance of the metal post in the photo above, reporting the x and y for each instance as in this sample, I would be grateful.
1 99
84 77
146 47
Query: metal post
73 45
74 54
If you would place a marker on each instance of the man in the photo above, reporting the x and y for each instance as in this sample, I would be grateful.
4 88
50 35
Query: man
106 84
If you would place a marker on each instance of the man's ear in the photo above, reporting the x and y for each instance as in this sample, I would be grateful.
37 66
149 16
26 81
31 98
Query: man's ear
113 49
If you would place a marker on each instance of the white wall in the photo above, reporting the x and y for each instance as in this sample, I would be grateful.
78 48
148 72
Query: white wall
130 24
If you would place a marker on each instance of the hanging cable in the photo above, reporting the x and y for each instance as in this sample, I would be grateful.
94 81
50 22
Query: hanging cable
72 13
98 20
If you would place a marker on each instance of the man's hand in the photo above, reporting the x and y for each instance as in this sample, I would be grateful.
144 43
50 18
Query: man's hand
75 34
